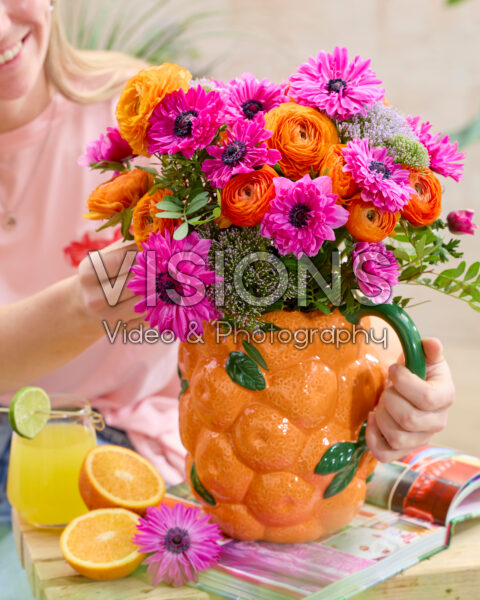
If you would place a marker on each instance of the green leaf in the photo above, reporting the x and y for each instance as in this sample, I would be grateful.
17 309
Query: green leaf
183 383
217 211
181 232
197 203
254 354
169 215
148 170
474 306
267 326
401 254
472 271
341 480
361 434
199 487
126 222
244 371
115 220
169 205
108 165
336 458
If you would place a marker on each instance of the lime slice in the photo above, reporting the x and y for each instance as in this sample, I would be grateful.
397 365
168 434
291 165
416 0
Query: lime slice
29 411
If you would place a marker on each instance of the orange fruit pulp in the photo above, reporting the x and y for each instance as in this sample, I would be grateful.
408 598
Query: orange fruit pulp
112 476
99 544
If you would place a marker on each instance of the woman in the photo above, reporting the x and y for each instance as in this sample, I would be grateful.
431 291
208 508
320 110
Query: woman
53 100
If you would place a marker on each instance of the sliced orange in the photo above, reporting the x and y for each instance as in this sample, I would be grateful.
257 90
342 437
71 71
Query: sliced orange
112 476
99 544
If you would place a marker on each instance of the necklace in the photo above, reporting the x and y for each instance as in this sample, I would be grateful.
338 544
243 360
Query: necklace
9 214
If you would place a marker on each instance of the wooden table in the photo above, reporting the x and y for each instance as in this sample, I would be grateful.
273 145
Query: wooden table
453 574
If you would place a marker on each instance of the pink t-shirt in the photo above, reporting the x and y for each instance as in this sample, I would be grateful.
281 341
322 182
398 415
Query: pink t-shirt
134 385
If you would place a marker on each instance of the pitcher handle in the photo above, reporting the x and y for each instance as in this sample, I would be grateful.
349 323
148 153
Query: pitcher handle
344 458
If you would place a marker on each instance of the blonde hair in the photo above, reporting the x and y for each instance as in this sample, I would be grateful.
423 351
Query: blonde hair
86 76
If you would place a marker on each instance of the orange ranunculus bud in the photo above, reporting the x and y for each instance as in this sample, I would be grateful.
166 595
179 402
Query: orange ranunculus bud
141 95
425 205
343 184
247 196
303 135
122 191
366 223
145 220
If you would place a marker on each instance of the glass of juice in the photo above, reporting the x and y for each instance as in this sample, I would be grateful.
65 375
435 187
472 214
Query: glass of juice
43 472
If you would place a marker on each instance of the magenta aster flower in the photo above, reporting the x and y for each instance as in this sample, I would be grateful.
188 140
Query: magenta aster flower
461 221
338 87
108 147
182 541
381 180
172 277
243 150
302 215
444 156
376 270
245 97
185 121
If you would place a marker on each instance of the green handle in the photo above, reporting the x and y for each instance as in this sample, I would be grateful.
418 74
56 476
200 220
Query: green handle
343 458
405 329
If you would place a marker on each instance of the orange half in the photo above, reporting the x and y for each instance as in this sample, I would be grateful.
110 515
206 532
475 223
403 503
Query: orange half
99 544
112 476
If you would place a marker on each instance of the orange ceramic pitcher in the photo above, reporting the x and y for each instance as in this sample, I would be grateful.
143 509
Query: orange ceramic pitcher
285 461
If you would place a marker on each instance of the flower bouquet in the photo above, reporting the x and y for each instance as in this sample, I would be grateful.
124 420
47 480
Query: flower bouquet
269 220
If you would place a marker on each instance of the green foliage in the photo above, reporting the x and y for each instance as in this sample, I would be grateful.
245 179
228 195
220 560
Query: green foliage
153 30
244 370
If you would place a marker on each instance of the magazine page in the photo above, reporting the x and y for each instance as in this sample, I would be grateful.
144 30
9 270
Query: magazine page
427 484
298 570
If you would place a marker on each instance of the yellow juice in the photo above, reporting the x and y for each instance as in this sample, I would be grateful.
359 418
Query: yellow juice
43 473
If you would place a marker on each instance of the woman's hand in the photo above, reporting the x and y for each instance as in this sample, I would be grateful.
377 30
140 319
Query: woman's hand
102 279
411 410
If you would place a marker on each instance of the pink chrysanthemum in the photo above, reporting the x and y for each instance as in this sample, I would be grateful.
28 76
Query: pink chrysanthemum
243 150
444 156
110 147
376 270
381 180
245 97
302 215
182 541
332 84
172 277
185 121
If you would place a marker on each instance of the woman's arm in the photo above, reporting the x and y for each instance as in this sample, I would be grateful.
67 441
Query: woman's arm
40 333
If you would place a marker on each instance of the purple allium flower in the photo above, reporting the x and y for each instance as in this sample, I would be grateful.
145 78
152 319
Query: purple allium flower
444 156
332 84
242 151
110 147
302 215
461 221
382 182
245 97
182 542
172 277
185 121
376 270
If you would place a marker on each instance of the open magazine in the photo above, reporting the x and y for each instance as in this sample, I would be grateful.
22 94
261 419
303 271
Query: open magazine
408 516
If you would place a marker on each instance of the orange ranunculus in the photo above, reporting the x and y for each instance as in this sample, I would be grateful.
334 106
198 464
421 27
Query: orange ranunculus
343 183
247 196
303 135
122 191
141 95
425 205
145 220
366 223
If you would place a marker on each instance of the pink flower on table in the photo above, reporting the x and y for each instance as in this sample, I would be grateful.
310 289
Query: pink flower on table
461 221
242 151
172 278
444 156
376 270
332 84
110 147
381 180
185 121
182 542
302 215
245 97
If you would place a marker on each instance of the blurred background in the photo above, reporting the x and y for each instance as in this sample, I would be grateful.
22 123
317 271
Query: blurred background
425 51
